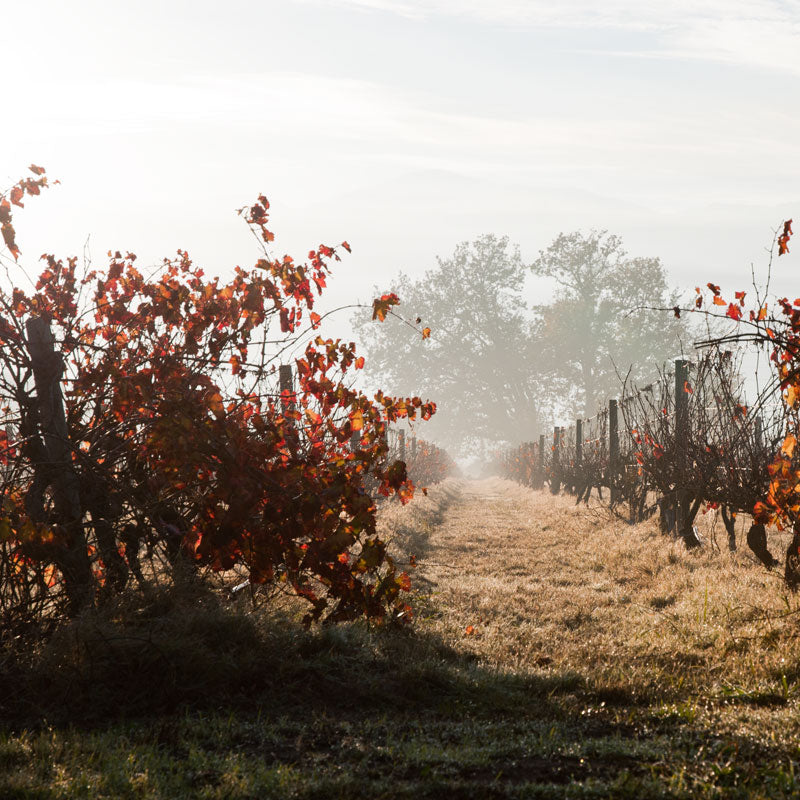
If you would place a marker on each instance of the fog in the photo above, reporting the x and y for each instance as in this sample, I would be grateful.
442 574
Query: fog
407 128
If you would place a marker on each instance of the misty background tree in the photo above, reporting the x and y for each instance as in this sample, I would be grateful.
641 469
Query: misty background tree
598 329
502 369
478 364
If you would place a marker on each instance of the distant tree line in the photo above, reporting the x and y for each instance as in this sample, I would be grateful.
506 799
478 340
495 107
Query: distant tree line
503 365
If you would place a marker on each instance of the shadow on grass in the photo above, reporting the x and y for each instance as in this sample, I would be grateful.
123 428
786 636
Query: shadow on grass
192 652
187 650
415 537
405 713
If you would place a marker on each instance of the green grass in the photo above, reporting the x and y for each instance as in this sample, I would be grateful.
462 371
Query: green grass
400 754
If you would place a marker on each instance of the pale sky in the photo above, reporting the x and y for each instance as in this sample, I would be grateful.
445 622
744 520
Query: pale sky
406 127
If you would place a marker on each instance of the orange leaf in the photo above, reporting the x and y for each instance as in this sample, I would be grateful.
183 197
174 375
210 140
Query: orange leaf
313 417
734 312
718 301
426 332
783 239
470 630
761 513
789 443
380 307
215 405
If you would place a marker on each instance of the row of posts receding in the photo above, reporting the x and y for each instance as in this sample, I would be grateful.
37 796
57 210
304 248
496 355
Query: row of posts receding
681 432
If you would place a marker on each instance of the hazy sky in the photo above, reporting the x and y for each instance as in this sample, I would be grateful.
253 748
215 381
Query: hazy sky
406 127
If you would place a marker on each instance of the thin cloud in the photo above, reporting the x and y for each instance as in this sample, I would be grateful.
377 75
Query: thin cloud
623 14
762 33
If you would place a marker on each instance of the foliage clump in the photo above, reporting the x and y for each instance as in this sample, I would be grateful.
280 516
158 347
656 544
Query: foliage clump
175 439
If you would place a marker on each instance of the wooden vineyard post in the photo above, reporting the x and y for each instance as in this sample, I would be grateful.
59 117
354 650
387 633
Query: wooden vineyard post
578 442
384 434
531 462
540 472
402 444
554 463
681 441
53 465
613 449
413 448
759 434
286 387
555 482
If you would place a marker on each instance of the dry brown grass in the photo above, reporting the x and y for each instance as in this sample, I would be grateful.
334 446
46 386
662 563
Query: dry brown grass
550 586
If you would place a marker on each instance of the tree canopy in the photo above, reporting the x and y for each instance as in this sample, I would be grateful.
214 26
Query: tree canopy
599 328
478 361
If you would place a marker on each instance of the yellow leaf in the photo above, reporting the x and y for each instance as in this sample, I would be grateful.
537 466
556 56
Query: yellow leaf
789 443
215 405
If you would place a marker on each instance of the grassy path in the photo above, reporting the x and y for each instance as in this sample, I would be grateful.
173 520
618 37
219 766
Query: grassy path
556 652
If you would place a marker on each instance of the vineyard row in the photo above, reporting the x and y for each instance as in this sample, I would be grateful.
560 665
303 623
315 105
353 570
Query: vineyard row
685 442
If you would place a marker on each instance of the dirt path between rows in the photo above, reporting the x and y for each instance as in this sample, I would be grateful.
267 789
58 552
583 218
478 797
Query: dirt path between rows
526 580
